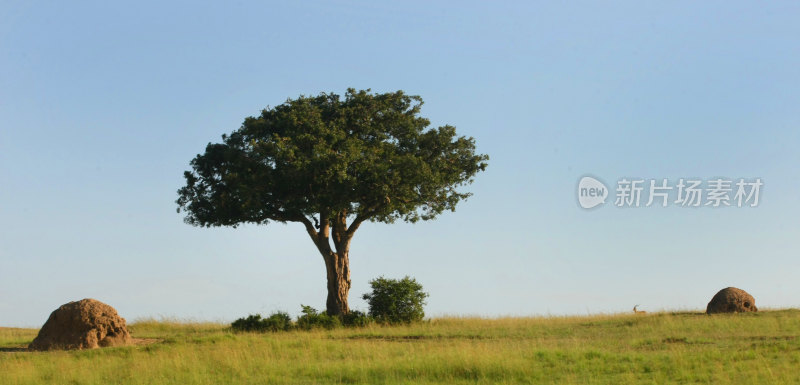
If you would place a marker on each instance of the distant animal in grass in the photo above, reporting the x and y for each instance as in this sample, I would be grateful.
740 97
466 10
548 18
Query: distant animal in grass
635 311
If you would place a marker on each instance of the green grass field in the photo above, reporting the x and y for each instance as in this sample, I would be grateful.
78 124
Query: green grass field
659 348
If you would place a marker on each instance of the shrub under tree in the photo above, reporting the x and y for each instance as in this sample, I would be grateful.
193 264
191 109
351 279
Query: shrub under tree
396 301
312 319
278 321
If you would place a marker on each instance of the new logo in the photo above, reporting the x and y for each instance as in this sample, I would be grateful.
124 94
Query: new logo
591 192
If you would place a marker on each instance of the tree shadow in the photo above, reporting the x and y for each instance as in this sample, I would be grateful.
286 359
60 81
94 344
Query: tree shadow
13 350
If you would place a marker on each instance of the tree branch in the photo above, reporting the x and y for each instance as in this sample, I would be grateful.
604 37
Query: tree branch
324 223
309 227
340 234
356 223
360 218
320 238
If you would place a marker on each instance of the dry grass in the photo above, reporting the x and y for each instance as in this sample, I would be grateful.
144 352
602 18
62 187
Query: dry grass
614 349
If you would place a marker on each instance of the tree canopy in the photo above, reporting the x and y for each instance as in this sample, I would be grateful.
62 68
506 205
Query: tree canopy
368 156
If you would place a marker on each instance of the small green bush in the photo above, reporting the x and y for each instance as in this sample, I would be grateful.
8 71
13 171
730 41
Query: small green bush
356 319
253 323
312 319
396 301
278 321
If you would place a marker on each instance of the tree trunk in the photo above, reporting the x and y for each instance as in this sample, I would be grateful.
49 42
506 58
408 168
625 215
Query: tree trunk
337 263
338 268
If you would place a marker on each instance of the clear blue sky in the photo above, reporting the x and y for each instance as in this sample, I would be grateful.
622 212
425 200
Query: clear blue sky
102 106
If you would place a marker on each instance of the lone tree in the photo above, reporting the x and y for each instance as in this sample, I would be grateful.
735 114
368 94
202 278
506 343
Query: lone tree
331 164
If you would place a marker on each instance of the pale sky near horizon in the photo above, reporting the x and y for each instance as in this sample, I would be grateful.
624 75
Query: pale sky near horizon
102 106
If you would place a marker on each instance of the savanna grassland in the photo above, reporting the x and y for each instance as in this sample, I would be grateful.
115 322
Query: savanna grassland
657 348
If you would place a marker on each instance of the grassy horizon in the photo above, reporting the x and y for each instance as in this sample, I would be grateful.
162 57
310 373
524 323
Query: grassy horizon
669 347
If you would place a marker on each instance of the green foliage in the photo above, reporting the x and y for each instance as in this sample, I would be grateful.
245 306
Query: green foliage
396 301
278 321
312 319
356 318
309 319
253 323
369 156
